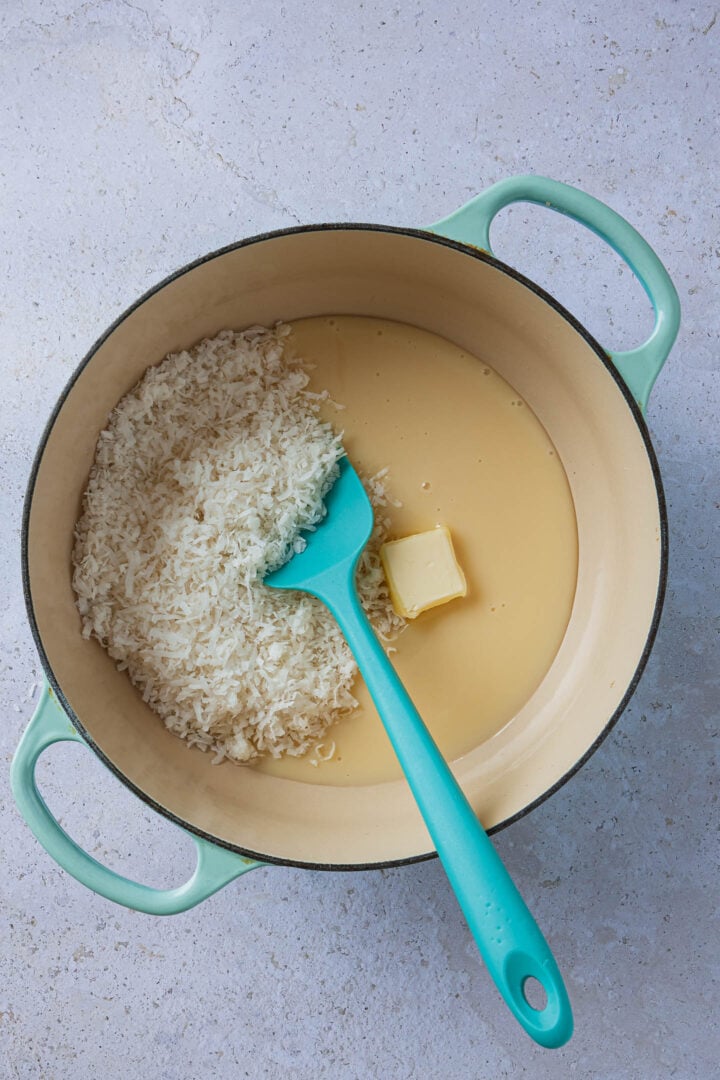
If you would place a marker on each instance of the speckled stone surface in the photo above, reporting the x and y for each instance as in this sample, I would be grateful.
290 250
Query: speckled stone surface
137 136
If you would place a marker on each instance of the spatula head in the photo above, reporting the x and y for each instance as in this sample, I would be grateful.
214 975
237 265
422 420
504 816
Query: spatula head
337 541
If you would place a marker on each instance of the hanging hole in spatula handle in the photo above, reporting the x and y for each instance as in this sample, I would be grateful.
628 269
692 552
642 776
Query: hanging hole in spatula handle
638 367
538 998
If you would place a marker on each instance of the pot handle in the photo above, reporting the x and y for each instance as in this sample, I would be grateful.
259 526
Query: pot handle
215 867
638 367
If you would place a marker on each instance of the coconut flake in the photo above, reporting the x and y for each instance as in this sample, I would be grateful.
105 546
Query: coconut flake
207 472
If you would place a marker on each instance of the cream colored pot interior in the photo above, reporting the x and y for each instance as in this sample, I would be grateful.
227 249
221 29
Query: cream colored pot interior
487 312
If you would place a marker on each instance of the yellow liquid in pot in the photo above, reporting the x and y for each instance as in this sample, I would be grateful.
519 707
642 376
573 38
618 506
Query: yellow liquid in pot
465 450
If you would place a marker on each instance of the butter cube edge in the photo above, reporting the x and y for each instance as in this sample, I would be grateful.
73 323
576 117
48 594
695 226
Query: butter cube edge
422 571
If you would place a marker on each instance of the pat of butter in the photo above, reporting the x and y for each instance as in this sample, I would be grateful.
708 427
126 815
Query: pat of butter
422 571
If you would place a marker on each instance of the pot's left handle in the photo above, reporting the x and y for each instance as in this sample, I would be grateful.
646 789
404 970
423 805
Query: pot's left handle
215 867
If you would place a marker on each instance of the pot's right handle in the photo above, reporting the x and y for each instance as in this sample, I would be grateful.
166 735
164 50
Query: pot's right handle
216 867
638 367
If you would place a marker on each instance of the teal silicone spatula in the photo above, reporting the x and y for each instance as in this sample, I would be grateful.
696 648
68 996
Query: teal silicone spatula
509 939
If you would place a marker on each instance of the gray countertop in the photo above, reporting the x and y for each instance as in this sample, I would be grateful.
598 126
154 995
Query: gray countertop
138 136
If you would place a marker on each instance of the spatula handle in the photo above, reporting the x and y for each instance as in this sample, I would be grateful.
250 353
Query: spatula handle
510 941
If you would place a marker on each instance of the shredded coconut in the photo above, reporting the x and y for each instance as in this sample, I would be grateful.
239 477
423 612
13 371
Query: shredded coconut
203 478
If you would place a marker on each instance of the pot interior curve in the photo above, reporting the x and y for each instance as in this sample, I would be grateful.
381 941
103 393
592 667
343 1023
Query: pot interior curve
474 302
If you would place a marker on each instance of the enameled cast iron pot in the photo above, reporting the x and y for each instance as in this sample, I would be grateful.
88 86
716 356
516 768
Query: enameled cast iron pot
591 403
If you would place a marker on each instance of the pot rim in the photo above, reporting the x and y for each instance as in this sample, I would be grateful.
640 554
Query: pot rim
466 249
